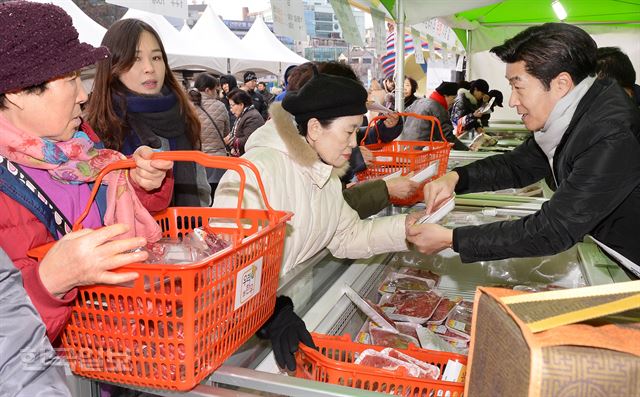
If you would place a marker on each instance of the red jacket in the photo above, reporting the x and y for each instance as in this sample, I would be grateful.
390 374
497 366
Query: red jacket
21 231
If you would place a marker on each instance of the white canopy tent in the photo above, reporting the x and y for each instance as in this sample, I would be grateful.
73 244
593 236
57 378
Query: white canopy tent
212 37
89 31
270 53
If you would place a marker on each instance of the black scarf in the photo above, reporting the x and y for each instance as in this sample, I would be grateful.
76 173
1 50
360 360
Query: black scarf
155 117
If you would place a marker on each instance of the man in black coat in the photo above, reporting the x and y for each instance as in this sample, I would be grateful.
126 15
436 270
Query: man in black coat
586 140
250 83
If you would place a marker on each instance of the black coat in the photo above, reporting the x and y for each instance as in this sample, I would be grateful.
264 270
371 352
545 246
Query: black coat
464 107
597 168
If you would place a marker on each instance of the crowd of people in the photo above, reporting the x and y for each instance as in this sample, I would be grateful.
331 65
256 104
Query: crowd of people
572 95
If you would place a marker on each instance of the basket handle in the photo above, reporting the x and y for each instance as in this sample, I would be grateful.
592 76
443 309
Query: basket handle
231 163
434 121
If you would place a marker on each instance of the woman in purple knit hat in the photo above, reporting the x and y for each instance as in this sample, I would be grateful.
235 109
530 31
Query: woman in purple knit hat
49 159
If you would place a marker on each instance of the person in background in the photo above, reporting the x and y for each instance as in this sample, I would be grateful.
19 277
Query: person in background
264 91
389 86
410 87
285 85
214 120
464 112
29 367
497 102
259 103
586 140
228 83
309 153
376 93
137 101
247 121
615 64
59 156
437 105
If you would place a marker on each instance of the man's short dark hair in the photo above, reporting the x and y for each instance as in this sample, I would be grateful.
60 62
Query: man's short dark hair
615 64
550 49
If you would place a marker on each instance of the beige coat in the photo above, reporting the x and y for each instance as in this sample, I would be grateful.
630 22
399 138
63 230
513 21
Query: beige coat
296 180
211 142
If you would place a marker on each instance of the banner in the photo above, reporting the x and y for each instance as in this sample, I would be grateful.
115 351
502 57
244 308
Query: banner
432 48
169 8
417 47
379 30
288 19
347 21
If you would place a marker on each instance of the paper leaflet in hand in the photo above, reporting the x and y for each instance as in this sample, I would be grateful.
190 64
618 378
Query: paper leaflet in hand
370 309
376 107
486 108
426 173
439 213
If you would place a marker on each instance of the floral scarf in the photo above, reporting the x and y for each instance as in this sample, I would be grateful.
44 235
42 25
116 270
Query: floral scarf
77 161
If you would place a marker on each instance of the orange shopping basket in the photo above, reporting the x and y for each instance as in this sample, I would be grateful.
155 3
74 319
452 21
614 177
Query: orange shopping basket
407 156
176 324
333 363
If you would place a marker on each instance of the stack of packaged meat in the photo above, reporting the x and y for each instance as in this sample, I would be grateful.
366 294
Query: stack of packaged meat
196 246
391 359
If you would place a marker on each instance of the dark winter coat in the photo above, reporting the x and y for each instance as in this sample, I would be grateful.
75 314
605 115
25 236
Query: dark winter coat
597 169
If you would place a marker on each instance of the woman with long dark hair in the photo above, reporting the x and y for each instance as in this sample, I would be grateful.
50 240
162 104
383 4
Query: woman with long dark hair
137 101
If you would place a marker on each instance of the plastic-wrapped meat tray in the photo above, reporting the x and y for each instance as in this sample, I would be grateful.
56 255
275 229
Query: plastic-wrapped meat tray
415 307
442 311
422 273
384 338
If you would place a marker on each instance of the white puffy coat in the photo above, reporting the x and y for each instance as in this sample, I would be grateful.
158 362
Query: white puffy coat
296 180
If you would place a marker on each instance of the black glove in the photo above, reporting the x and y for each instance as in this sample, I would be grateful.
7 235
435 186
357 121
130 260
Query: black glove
285 330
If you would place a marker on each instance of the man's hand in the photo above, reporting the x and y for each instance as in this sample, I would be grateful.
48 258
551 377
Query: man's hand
87 257
148 173
436 192
430 238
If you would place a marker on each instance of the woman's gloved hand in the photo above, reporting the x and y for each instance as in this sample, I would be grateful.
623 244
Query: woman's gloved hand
285 330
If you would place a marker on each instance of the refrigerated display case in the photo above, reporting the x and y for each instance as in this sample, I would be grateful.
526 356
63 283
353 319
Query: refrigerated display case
317 288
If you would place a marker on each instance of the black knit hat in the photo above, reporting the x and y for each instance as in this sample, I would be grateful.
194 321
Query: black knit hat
448 88
38 43
326 97
248 76
480 85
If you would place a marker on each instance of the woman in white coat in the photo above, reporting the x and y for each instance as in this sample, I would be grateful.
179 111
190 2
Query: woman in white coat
300 164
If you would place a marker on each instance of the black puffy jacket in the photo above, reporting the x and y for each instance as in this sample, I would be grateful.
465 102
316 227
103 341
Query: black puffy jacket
597 169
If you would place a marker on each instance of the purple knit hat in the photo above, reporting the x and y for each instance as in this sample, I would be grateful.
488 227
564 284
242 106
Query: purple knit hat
38 43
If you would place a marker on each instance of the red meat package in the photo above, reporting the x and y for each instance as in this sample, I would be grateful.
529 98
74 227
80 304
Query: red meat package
428 370
396 282
459 321
376 359
442 311
195 247
380 337
410 329
415 307
422 273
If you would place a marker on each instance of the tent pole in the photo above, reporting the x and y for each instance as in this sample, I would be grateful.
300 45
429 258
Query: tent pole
468 74
400 55
228 65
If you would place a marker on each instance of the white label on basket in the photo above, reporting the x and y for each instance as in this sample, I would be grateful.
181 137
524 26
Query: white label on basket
248 283
384 158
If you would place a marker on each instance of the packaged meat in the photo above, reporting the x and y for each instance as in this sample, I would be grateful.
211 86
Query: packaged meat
431 341
422 273
376 359
410 329
396 282
196 246
380 337
428 370
459 321
415 307
442 311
